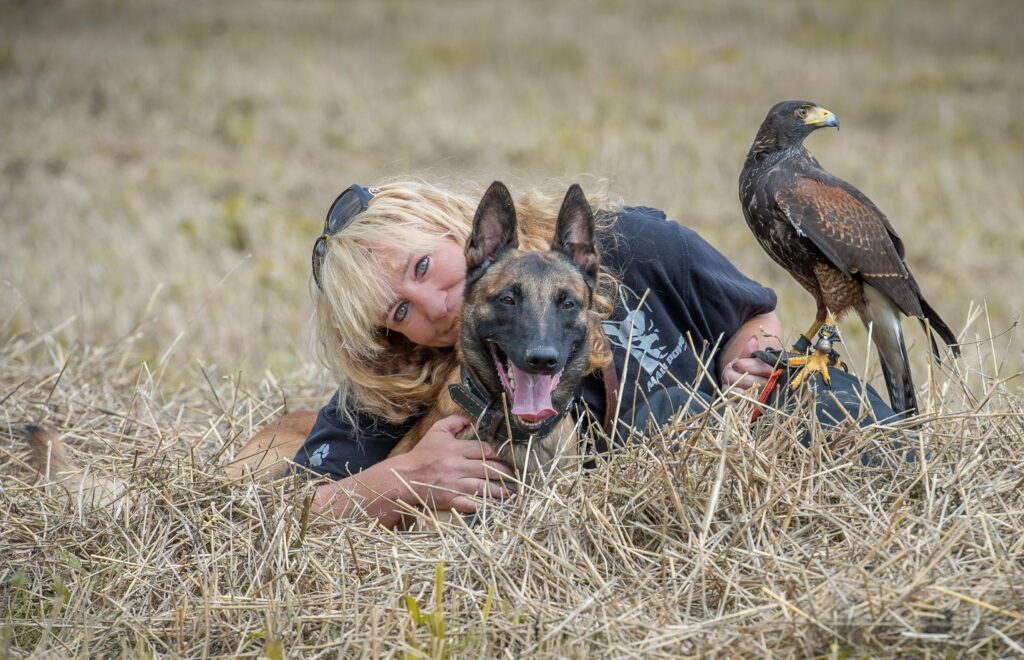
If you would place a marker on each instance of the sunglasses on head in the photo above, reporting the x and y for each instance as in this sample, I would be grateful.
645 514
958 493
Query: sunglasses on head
350 203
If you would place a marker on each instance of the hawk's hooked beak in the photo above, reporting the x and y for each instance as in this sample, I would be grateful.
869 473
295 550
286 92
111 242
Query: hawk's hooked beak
819 117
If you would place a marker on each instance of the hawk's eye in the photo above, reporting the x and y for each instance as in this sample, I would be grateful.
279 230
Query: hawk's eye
801 112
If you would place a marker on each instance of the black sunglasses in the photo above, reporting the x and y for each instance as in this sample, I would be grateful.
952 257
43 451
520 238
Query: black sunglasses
350 203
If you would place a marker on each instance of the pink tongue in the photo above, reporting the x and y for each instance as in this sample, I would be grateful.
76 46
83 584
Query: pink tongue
532 398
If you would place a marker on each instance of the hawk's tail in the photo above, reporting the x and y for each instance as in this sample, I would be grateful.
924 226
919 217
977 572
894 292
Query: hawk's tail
939 327
892 353
887 334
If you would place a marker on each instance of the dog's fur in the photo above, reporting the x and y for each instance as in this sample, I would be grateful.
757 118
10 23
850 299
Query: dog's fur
53 464
525 313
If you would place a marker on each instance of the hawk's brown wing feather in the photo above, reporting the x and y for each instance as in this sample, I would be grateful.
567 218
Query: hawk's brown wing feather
853 234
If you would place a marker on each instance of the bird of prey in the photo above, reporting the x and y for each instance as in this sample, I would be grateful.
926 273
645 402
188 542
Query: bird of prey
836 243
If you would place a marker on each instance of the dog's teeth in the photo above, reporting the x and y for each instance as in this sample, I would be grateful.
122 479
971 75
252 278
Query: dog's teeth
511 376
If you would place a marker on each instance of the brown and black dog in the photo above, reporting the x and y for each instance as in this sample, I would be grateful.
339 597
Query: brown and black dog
527 331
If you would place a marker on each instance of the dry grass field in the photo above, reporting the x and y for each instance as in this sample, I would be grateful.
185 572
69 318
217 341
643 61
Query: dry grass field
164 170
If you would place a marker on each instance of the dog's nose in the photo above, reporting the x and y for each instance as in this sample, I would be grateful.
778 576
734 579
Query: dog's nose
543 359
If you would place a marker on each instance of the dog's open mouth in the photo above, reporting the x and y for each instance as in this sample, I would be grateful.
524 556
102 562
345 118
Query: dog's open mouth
530 394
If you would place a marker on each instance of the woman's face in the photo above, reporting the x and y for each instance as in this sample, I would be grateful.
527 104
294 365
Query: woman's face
428 284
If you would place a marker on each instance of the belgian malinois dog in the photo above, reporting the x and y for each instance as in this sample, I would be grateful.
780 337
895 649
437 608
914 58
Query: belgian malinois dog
527 331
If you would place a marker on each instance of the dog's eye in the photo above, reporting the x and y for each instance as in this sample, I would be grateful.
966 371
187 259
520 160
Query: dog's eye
567 301
507 300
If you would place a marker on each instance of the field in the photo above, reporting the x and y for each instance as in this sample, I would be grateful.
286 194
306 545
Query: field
165 168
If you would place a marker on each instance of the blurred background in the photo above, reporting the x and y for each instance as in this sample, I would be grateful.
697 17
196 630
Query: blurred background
165 166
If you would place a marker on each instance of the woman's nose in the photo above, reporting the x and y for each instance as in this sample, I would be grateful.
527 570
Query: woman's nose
435 304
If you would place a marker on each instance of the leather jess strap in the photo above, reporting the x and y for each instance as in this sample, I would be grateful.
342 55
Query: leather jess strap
611 390
766 392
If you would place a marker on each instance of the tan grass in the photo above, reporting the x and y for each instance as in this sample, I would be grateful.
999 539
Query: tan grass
700 539
164 168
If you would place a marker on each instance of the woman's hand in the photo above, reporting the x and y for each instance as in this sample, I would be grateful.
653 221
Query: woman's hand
746 371
444 471
740 370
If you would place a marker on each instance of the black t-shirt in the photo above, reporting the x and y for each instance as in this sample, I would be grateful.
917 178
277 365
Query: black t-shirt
693 301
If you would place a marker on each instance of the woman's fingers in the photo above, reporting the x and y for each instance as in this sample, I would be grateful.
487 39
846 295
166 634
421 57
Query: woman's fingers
450 471
452 424
465 498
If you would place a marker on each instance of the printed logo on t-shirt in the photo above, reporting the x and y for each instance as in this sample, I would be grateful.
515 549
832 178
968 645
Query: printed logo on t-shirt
319 454
638 335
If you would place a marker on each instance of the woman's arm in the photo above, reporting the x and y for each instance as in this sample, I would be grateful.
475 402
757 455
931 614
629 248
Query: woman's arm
740 370
440 472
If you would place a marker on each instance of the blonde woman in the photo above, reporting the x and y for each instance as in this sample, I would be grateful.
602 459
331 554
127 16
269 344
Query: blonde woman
388 272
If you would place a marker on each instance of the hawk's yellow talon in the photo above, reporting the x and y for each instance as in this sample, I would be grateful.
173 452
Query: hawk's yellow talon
815 363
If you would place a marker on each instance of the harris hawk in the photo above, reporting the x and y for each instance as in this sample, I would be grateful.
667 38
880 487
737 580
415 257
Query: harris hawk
836 243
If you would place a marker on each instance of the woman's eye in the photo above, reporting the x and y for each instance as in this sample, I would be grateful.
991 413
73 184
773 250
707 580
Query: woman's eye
400 312
421 266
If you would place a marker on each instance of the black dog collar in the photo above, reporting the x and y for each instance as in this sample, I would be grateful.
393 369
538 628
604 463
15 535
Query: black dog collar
471 397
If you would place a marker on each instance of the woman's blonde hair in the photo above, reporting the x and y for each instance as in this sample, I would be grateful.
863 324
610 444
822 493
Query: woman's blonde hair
382 372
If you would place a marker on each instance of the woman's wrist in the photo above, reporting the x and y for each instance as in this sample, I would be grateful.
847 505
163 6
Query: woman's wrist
377 492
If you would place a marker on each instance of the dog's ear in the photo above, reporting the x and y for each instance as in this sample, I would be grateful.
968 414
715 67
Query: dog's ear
494 228
574 232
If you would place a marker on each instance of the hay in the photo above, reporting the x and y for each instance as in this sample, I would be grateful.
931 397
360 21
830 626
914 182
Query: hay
694 541
166 168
